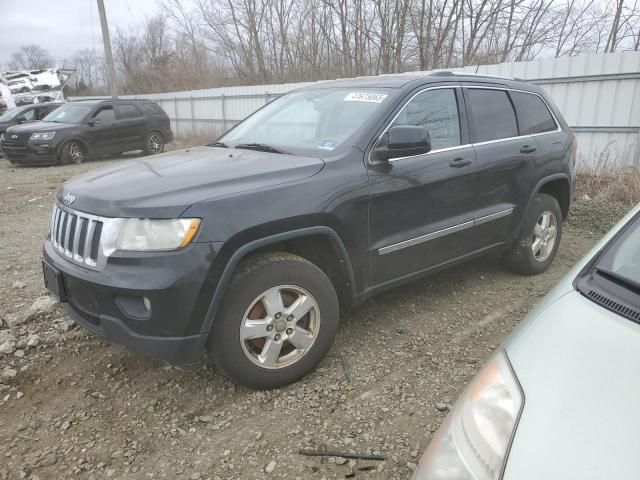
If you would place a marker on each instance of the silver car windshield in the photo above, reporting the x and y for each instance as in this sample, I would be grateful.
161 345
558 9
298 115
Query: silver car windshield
622 259
313 122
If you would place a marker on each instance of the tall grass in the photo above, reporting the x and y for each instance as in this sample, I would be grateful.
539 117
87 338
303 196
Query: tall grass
607 179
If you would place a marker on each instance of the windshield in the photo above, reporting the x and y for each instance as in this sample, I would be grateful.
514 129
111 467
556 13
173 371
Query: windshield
313 122
622 259
11 114
68 114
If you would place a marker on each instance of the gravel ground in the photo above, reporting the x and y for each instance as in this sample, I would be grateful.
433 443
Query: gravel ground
74 406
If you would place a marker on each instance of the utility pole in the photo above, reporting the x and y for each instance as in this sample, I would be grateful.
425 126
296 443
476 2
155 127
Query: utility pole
111 72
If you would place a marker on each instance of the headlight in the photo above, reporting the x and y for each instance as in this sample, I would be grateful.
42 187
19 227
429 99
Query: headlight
42 136
144 234
473 441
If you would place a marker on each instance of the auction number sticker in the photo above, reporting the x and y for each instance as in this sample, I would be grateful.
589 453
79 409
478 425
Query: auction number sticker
365 97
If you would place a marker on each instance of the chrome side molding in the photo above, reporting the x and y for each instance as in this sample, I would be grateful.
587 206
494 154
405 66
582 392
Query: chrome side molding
445 231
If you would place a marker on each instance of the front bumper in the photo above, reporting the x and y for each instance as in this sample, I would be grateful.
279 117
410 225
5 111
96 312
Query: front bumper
27 153
110 302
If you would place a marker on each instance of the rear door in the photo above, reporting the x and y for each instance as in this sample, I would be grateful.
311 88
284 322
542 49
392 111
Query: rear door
130 125
421 208
506 163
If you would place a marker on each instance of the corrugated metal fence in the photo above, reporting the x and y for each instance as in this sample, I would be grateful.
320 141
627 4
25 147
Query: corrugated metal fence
599 95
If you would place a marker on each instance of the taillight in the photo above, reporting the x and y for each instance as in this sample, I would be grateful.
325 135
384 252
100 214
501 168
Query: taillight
574 149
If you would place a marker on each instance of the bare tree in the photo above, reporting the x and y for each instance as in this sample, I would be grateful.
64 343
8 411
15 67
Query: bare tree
31 57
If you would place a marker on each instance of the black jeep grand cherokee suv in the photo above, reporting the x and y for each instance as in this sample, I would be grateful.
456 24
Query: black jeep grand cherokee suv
89 127
250 247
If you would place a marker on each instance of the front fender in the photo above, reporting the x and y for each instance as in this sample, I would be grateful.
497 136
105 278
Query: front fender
231 257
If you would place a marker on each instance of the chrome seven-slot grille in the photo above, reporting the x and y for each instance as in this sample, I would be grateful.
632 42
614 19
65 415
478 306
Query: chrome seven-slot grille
76 236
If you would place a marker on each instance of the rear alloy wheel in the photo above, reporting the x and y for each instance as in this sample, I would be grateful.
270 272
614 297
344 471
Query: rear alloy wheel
545 233
154 143
72 152
276 322
539 238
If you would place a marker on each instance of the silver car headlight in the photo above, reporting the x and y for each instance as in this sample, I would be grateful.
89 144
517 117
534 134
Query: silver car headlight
474 439
42 136
140 234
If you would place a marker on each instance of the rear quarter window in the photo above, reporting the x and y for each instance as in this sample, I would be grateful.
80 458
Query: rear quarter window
492 115
152 108
533 114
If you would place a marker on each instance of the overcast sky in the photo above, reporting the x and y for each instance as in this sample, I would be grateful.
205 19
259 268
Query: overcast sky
64 26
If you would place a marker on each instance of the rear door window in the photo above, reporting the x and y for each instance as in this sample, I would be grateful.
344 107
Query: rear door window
492 115
437 111
533 114
127 110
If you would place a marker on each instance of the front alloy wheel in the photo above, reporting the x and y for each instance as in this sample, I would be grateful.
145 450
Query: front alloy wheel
280 326
276 322
72 153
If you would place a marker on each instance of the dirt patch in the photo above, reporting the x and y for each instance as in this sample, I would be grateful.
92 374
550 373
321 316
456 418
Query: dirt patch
71 404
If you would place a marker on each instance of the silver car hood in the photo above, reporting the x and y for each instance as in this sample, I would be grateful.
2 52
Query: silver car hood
579 367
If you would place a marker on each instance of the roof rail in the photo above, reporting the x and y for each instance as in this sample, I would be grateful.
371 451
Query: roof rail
460 73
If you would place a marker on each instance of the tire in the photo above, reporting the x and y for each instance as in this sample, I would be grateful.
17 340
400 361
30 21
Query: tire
245 312
539 238
153 143
72 152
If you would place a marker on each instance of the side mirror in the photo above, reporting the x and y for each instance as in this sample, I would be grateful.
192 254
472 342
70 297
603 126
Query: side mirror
403 141
21 119
95 121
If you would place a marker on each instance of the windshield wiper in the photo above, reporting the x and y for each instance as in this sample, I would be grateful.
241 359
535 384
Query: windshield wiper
618 278
262 147
218 144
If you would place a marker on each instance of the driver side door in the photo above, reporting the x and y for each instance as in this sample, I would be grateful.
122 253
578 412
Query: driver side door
421 206
101 131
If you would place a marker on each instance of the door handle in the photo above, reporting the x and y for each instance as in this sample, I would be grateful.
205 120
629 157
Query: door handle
459 162
528 149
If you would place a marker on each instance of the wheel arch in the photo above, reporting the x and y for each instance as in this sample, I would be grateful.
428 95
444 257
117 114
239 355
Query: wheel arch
558 187
321 245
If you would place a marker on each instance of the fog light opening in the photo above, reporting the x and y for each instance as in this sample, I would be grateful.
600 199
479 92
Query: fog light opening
147 303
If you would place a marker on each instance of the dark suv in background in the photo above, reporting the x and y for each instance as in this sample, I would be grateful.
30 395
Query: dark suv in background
85 128
26 113
250 247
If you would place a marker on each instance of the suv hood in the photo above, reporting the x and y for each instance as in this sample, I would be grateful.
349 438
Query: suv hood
36 127
164 186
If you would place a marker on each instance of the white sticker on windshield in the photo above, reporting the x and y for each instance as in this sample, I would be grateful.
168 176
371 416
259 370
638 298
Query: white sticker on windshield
365 97
327 145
